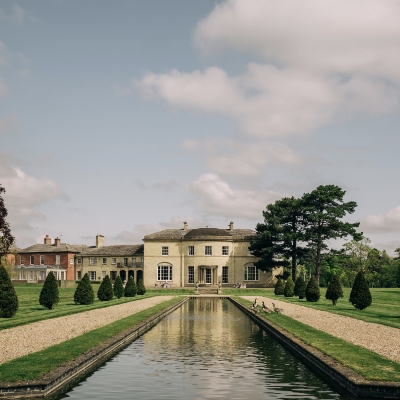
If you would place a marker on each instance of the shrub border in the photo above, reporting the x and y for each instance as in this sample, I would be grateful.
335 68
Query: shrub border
73 371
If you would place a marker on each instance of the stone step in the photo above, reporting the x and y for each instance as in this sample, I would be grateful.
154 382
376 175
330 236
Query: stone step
208 290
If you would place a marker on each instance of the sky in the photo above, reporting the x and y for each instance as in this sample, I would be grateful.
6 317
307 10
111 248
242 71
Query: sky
123 118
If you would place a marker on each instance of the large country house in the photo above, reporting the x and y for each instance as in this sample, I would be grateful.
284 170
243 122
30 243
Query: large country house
172 257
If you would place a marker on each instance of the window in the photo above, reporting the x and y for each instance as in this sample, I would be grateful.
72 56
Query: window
79 260
103 274
79 275
32 260
62 275
225 250
113 275
133 262
208 251
224 274
104 260
41 260
114 260
164 273
191 250
141 261
92 260
125 261
92 275
164 250
57 259
190 274
22 260
71 261
250 273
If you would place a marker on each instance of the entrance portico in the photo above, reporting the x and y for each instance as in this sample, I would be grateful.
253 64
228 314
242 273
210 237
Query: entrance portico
208 274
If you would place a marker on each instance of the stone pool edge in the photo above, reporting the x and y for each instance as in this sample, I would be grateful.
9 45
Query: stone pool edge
56 381
333 371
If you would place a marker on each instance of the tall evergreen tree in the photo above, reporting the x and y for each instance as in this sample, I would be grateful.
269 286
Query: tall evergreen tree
118 288
49 295
300 287
84 293
334 290
360 296
312 290
130 288
324 208
6 238
140 287
8 296
105 292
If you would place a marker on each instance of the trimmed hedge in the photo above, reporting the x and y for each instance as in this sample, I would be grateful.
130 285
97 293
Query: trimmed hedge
105 292
49 295
289 288
84 293
300 287
312 291
360 296
279 287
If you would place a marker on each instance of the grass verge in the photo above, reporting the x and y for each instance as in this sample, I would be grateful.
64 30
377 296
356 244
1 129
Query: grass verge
370 365
34 365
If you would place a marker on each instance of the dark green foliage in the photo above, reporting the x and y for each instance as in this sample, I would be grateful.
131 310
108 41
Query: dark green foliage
49 294
300 288
84 292
279 287
118 288
334 291
289 288
8 297
130 288
6 239
360 296
312 291
140 287
105 292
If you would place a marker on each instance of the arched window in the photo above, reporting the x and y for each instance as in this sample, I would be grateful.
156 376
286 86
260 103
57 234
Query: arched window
164 272
251 273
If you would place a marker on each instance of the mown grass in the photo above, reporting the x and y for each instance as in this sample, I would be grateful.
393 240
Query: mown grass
385 308
31 311
36 364
370 365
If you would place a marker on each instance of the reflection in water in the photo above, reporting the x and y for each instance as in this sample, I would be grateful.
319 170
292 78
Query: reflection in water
207 349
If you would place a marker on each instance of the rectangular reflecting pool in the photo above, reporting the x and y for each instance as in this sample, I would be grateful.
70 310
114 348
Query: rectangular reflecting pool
206 349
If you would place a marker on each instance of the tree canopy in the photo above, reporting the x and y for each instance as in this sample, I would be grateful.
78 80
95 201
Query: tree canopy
6 238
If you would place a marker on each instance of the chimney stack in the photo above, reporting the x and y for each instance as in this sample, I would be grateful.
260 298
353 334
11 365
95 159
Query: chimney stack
185 225
57 241
47 240
231 226
99 241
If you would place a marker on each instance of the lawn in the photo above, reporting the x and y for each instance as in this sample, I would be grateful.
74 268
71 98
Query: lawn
31 311
385 308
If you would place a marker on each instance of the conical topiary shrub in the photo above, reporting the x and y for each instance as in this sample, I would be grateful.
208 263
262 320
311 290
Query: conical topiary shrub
8 296
105 292
140 287
84 292
300 287
130 288
360 296
289 288
279 287
49 296
312 291
334 290
118 288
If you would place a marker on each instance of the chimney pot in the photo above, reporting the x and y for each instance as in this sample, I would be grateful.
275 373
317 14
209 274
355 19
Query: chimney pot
231 226
47 240
99 241
185 226
57 241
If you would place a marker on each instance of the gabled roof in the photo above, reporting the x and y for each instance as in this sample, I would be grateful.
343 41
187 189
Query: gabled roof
52 248
116 250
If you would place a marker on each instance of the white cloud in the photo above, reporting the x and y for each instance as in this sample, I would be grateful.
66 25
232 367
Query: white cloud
387 222
214 197
25 195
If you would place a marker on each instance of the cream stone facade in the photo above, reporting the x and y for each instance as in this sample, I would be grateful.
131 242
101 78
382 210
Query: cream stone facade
205 256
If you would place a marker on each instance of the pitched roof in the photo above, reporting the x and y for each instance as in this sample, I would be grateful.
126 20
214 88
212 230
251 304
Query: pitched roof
116 250
52 248
202 233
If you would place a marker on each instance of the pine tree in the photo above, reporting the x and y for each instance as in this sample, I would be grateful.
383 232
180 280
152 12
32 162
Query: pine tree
105 292
8 296
140 287
312 291
334 290
118 288
84 292
360 296
300 288
289 288
130 288
279 287
49 296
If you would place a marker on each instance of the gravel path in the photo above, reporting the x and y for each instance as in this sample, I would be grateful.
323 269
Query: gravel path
381 339
26 339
